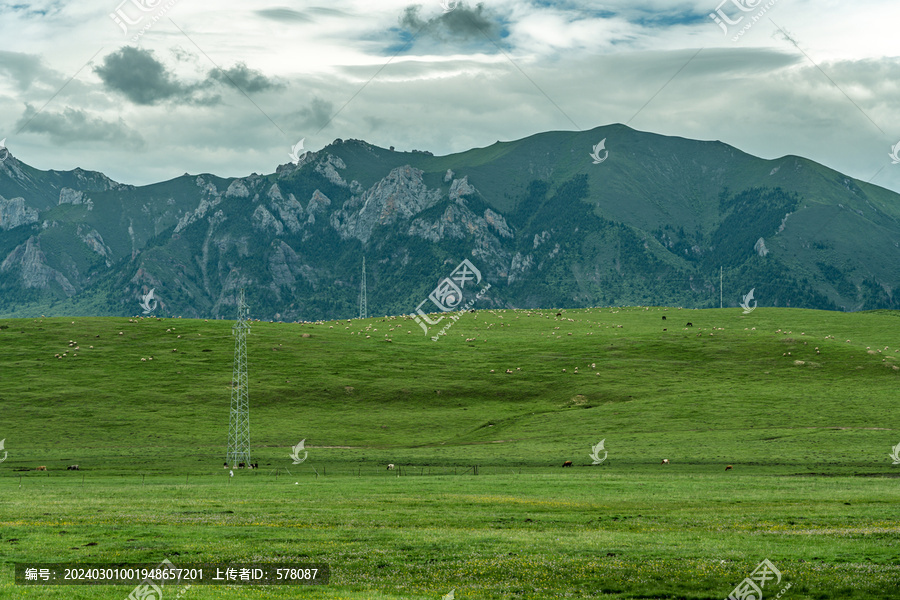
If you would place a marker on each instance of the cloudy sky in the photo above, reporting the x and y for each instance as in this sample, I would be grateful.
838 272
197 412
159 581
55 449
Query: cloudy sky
146 90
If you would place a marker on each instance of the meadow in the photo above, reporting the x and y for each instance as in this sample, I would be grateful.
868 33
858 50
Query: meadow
802 404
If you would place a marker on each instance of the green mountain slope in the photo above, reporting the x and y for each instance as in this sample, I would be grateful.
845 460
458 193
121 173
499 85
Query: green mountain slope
653 223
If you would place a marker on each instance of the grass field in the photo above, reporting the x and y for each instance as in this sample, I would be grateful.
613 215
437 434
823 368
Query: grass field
803 404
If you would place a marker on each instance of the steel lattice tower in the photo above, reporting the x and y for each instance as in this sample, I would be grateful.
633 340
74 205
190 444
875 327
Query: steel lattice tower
239 421
363 309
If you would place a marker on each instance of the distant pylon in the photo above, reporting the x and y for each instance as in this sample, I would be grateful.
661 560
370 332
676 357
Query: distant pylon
363 309
239 421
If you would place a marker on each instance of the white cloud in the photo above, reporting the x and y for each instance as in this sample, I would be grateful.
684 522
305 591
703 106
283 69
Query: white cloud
452 89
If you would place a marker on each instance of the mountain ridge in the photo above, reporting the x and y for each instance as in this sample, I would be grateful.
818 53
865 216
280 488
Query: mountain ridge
650 224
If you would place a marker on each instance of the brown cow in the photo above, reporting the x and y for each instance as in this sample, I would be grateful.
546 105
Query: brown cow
41 468
568 463
665 461
728 467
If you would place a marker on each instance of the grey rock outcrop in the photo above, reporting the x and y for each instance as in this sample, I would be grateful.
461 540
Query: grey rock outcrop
14 213
33 268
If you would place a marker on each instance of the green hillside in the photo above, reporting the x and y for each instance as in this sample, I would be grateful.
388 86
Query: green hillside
745 377
801 403
661 220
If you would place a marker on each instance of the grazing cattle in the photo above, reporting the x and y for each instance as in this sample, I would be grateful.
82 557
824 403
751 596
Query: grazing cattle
255 465
665 461
664 317
72 468
390 467
728 467
558 314
689 324
41 468
568 463
225 466
241 465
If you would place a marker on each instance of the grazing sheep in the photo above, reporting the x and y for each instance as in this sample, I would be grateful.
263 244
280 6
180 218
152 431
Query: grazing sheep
728 467
568 463
390 467
41 468
665 461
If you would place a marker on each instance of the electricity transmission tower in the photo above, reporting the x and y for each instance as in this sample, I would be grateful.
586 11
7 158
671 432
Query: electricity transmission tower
239 422
363 309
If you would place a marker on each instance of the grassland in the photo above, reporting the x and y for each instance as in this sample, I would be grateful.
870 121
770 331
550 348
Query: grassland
803 404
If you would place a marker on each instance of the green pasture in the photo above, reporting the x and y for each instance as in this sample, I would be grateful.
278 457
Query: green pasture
802 404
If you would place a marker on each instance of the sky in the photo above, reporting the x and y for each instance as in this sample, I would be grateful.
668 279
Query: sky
147 90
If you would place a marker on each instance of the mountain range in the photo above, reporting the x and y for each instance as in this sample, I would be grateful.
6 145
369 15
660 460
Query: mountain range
607 217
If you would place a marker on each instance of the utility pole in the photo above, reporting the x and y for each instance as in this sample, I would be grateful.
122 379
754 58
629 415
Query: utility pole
239 421
363 309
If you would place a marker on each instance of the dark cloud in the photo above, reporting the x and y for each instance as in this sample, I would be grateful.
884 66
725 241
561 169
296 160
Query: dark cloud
141 78
316 115
74 126
25 69
249 80
289 14
283 14
462 23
